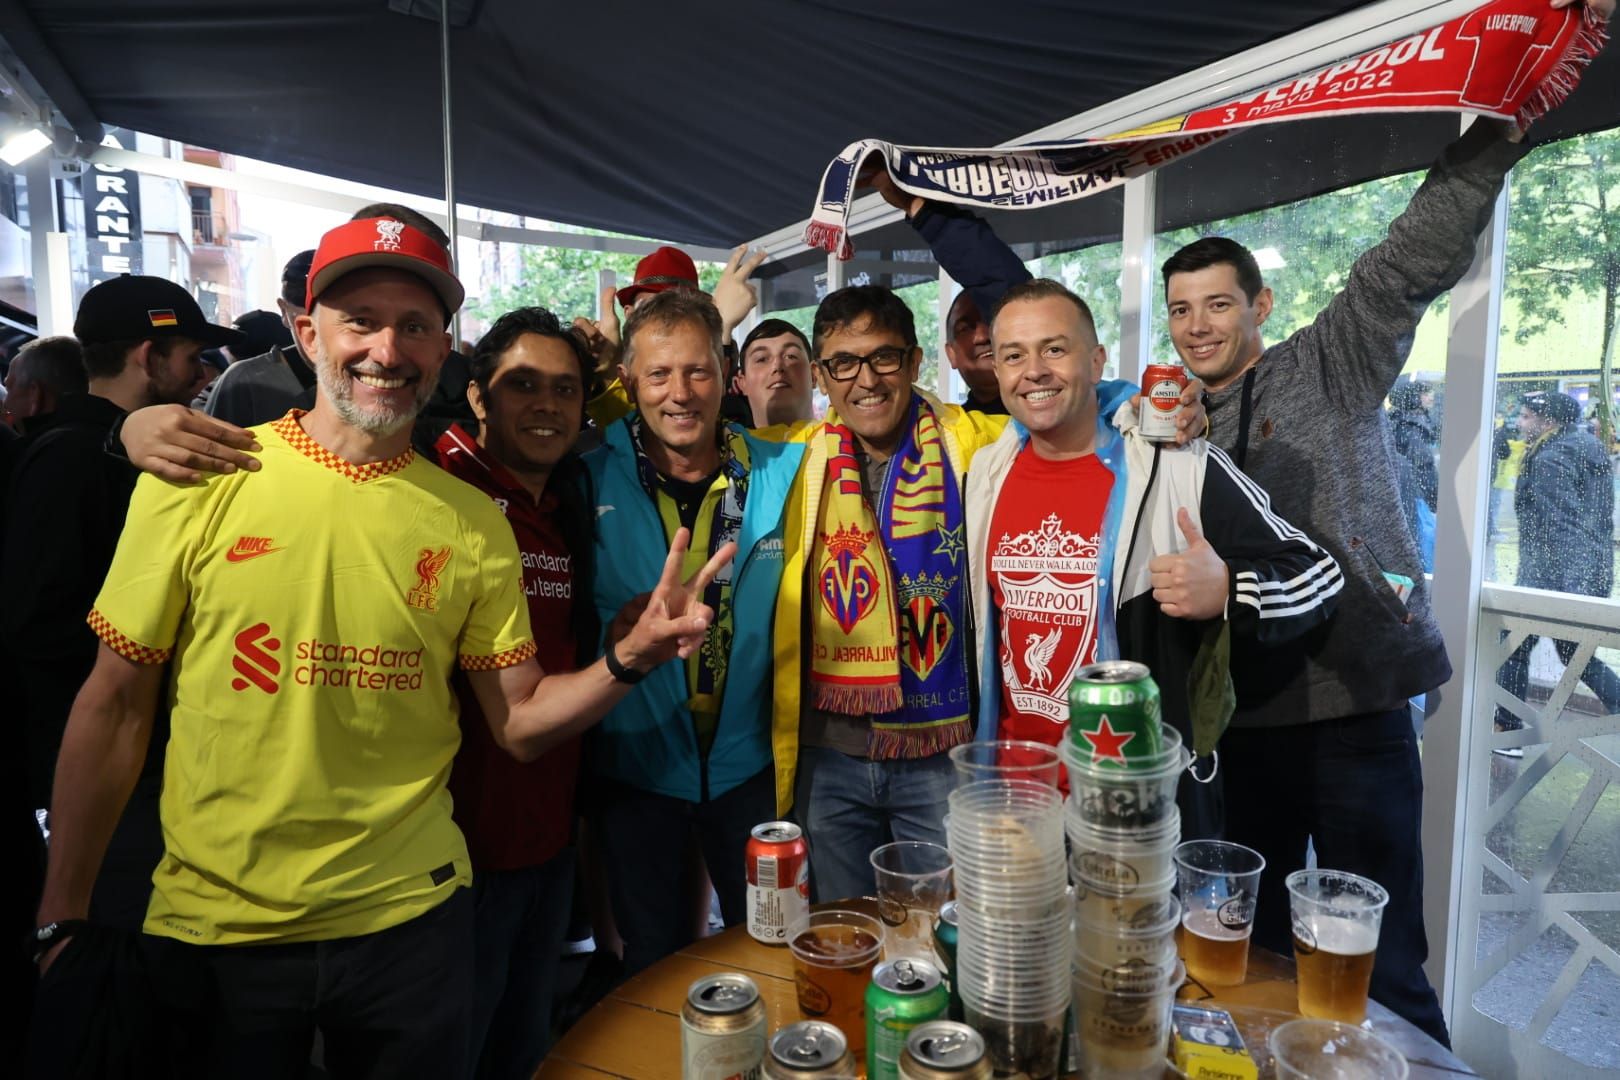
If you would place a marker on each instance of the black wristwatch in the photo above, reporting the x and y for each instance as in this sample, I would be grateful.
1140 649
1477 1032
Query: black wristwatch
47 937
628 676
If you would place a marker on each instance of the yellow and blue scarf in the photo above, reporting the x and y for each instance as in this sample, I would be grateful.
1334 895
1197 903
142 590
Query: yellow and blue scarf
891 595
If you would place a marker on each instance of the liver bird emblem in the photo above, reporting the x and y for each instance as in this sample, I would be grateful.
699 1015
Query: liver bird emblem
1037 654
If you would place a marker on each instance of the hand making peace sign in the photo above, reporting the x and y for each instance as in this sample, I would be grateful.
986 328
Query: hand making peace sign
673 618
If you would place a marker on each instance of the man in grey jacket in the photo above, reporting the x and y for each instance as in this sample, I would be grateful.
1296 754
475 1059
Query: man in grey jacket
1322 749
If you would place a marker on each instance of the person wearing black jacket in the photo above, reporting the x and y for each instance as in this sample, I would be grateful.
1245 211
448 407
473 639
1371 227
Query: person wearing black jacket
65 510
1565 504
1414 437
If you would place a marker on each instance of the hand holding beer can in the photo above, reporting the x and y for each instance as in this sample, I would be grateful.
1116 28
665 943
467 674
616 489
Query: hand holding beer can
1336 917
1162 385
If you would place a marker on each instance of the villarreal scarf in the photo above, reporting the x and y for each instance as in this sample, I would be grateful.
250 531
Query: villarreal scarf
1510 59
886 623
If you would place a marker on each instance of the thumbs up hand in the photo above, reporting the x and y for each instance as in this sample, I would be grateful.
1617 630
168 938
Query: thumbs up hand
1195 583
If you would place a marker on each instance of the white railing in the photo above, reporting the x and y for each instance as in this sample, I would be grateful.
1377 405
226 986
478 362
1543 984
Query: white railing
1536 928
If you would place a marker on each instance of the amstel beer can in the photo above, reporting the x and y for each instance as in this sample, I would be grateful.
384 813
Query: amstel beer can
809 1050
904 993
944 1050
1114 715
1162 385
945 936
722 1029
778 881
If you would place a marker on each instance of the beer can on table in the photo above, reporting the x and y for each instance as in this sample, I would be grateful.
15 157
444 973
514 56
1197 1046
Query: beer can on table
778 881
904 993
944 1050
1162 385
722 1029
945 935
1114 714
809 1050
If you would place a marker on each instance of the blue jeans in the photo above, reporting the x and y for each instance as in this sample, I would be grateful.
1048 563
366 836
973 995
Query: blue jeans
519 922
848 805
1353 788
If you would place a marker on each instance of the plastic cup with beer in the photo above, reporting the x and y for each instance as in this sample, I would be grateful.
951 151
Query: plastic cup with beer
1327 1050
834 952
1123 1030
913 883
1006 759
1219 884
1336 918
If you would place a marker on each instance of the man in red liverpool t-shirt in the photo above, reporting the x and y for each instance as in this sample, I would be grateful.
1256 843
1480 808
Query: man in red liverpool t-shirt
1090 543
528 390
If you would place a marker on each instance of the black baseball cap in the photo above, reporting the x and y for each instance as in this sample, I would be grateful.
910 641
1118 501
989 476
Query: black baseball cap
133 307
295 277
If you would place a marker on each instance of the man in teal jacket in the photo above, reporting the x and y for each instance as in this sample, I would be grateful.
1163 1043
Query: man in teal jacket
689 749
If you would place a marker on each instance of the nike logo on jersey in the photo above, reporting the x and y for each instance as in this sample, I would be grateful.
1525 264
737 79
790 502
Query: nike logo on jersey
250 547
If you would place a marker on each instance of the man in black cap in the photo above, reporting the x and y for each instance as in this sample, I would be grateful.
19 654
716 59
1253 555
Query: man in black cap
142 338
1565 505
263 386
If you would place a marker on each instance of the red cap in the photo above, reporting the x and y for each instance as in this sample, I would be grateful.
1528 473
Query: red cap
666 268
382 241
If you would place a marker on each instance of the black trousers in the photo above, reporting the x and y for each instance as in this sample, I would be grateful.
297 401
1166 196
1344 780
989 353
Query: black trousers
395 1003
1353 788
643 838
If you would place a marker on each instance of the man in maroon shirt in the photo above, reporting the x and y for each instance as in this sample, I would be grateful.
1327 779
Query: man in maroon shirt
528 390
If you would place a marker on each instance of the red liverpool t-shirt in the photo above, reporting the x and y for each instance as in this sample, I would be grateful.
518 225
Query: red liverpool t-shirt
1043 560
516 814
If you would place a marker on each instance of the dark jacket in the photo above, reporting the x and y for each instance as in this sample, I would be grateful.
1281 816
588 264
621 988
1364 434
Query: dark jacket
1565 504
259 389
64 512
1413 440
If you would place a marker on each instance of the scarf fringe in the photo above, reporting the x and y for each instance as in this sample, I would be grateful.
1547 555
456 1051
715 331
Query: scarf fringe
888 742
1566 74
829 237
858 700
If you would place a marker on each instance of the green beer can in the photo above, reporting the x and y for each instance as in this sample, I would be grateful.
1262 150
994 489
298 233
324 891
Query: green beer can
1114 715
903 994
945 934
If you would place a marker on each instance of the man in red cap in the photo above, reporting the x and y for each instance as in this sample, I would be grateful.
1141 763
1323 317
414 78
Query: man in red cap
312 877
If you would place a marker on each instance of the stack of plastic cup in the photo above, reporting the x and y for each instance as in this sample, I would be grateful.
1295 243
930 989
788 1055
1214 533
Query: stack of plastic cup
1123 828
1013 914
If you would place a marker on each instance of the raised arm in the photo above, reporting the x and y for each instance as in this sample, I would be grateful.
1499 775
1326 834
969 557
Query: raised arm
964 244
529 711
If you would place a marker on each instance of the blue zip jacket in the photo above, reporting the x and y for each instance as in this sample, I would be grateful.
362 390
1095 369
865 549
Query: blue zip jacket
648 741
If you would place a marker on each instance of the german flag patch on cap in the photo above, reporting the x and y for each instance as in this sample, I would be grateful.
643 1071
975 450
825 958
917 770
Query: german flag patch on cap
163 317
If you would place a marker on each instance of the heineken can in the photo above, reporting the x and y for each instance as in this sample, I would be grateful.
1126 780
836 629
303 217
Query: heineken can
944 1050
809 1050
722 1029
945 934
904 993
1114 715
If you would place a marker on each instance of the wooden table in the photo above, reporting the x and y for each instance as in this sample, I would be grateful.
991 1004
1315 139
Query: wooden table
636 1031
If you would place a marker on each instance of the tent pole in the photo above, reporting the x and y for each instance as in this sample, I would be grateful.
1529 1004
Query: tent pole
449 151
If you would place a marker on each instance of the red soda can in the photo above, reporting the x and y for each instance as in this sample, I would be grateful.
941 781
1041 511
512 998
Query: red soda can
1162 385
778 881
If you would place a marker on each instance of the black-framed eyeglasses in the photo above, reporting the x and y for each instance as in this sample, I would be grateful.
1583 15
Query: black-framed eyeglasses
842 367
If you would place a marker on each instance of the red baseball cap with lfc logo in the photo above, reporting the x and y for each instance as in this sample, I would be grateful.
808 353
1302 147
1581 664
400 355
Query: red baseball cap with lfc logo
666 268
369 242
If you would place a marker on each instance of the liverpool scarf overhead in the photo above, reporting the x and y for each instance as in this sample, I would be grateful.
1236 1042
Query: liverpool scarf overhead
890 594
1511 59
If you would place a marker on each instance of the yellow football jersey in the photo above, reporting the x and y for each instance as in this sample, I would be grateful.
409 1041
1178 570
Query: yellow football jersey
313 613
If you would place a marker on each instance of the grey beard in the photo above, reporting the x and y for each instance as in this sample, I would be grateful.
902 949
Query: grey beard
381 423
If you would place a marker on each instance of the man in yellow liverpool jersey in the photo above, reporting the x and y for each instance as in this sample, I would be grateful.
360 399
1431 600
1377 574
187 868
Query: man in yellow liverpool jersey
311 620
